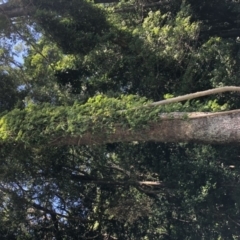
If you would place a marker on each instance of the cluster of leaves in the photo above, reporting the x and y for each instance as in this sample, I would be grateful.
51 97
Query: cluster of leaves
40 122
83 35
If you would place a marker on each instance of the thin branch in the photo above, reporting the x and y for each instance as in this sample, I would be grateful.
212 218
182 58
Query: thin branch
19 66
195 95
189 97
115 167
39 207
105 181
33 46
24 38
234 221
51 212
151 183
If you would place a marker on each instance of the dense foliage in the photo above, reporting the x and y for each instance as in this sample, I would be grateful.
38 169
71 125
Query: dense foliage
87 66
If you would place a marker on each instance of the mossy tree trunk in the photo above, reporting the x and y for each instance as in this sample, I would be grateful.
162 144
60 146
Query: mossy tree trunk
212 128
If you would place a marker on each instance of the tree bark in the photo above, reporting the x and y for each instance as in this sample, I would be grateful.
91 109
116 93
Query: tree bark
211 128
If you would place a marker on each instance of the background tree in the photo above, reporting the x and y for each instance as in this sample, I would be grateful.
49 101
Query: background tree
80 56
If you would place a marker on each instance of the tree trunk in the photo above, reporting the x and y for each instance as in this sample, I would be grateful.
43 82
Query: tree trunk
211 128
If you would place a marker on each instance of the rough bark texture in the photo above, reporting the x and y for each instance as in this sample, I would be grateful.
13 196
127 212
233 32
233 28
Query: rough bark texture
212 128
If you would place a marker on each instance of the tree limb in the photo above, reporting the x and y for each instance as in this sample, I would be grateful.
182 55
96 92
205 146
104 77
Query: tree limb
196 95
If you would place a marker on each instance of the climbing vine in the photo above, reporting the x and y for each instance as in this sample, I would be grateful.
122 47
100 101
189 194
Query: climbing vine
36 124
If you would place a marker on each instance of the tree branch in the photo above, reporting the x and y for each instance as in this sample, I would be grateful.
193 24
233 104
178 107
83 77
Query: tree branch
105 181
196 95
211 128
